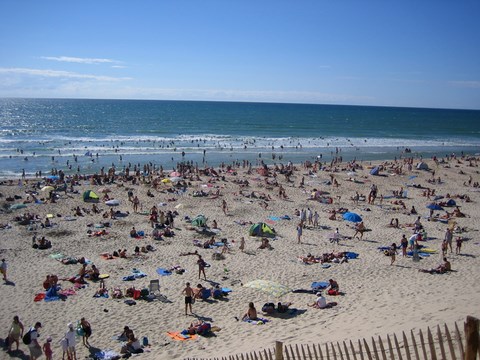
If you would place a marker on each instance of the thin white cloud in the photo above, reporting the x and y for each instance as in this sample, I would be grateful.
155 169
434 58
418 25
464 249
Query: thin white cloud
466 84
59 74
78 60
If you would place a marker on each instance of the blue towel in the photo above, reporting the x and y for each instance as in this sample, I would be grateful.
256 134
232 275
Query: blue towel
259 320
351 255
163 272
317 285
226 290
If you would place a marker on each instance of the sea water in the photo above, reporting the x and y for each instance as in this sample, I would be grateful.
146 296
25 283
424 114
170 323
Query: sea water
85 135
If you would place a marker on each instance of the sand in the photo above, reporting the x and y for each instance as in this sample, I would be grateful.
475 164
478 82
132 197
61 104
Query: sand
378 298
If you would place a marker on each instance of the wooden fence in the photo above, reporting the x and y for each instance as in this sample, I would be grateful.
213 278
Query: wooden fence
434 344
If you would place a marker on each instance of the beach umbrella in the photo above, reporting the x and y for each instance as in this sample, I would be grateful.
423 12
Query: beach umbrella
434 206
47 188
166 181
175 179
271 288
353 217
53 177
175 174
112 202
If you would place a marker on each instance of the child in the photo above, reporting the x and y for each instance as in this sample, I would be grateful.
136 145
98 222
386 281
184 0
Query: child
47 348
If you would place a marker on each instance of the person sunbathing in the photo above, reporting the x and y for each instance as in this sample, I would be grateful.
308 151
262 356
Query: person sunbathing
251 313
440 269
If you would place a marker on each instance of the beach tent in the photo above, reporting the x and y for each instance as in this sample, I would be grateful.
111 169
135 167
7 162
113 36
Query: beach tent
422 166
261 229
451 202
200 220
375 170
90 196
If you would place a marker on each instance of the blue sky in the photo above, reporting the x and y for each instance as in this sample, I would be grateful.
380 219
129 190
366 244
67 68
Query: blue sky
389 53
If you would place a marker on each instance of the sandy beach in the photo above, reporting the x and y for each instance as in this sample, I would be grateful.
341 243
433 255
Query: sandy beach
376 298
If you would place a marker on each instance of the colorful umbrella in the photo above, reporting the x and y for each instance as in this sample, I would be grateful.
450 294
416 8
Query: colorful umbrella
350 216
47 188
434 206
269 287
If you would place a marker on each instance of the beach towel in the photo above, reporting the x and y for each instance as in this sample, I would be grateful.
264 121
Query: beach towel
163 272
177 335
275 218
318 285
258 321
351 255
39 297
106 355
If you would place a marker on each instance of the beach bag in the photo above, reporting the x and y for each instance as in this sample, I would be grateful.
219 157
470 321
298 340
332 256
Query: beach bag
27 338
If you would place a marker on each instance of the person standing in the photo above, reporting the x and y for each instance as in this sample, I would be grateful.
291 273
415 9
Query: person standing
87 331
242 244
404 245
315 219
224 207
188 292
300 231
15 333
71 342
3 269
201 267
449 238
47 348
34 347
393 253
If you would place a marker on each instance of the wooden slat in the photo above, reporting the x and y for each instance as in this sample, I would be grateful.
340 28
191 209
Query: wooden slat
317 357
286 351
450 343
347 355
459 341
354 354
374 348
382 349
431 345
440 342
367 349
471 337
333 352
390 349
320 352
422 343
414 346
361 350
303 352
297 351
310 355
397 345
327 351
340 352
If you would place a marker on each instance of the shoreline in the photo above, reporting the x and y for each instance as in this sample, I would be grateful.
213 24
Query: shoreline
378 298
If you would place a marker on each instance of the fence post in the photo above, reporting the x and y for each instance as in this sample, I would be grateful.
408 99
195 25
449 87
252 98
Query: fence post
471 337
278 350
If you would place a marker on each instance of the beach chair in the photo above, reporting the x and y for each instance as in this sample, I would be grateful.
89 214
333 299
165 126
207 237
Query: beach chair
154 288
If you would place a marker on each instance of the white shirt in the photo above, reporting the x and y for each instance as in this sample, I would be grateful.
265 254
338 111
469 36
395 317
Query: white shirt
70 336
33 337
321 302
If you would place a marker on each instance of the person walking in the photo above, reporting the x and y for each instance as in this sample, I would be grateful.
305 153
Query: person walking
3 269
87 331
34 347
15 333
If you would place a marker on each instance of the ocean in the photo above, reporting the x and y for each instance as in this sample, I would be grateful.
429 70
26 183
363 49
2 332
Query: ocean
84 135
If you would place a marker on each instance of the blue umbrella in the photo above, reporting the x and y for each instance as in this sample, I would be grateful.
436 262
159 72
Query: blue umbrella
350 216
434 206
